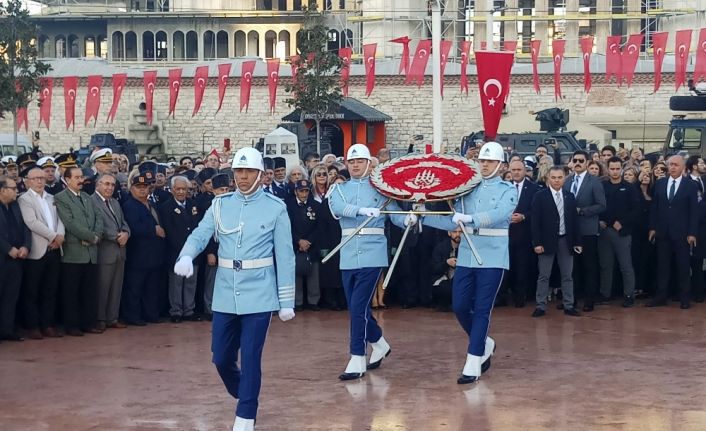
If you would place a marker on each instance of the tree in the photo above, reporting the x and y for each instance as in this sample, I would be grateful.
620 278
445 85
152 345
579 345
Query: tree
20 68
315 89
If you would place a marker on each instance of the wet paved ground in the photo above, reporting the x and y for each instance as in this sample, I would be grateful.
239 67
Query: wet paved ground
639 369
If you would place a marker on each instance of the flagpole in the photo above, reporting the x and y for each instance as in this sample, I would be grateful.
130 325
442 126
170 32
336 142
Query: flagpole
437 118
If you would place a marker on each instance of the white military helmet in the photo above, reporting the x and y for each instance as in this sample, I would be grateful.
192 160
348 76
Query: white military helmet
248 158
358 151
492 151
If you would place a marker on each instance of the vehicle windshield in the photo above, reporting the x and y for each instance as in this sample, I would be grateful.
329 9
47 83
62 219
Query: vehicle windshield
685 138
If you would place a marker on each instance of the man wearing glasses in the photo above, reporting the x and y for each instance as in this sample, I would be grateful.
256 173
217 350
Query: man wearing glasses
590 202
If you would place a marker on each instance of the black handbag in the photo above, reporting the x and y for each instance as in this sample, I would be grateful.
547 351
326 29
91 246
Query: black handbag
303 265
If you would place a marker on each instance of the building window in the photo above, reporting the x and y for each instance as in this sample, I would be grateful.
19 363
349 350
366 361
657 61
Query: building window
60 46
297 5
346 38
267 4
333 41
148 46
341 4
44 46
283 45
151 6
163 5
118 45
73 47
89 47
161 45
178 47
329 4
270 44
240 44
102 46
253 44
282 4
192 45
130 45
209 45
222 44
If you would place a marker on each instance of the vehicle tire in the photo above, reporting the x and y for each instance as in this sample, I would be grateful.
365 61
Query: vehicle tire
687 103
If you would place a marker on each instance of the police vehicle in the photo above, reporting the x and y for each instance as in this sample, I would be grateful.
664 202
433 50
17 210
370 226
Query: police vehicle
686 128
108 140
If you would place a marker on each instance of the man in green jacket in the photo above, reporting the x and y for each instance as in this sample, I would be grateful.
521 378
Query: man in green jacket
83 226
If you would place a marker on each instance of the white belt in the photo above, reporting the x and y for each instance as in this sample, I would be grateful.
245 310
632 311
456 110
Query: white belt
364 231
488 232
245 264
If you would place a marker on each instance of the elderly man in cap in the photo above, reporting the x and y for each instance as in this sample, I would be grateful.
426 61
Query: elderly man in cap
25 162
102 160
145 255
47 165
253 231
304 214
10 165
161 190
268 184
63 162
279 180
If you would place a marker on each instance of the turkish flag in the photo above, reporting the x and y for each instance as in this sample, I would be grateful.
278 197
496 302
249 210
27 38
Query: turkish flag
465 52
246 74
45 94
494 84
586 49
119 81
558 52
613 60
294 62
273 81
369 57
174 87
681 56
149 80
93 98
659 46
631 53
200 83
70 86
223 74
419 64
345 54
445 50
534 45
510 45
404 60
700 66
22 119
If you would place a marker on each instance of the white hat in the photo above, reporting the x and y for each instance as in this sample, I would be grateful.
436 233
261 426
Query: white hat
492 151
358 151
46 162
102 155
9 160
248 158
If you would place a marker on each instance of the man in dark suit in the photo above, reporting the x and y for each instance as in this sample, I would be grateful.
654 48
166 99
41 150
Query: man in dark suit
674 226
15 243
145 255
523 262
590 202
111 252
696 169
80 258
555 233
179 217
279 181
304 215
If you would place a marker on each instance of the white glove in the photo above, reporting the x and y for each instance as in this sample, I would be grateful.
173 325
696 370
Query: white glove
184 267
410 219
459 218
369 212
286 314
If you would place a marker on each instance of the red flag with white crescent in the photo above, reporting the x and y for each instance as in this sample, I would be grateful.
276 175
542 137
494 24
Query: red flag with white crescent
681 56
510 45
223 74
93 98
419 64
700 66
246 74
558 53
369 51
294 62
22 119
273 81
494 84
445 50
174 87
659 46
404 59
465 53
535 45
613 60
149 79
119 81
70 87
631 53
45 95
587 49
200 82
345 54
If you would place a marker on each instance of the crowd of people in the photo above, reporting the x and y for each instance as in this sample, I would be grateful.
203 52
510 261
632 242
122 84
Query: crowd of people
90 245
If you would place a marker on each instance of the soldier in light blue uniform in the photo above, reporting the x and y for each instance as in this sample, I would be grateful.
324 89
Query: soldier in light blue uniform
253 231
485 212
363 258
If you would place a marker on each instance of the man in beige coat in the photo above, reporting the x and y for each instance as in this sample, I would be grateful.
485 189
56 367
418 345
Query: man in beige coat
41 280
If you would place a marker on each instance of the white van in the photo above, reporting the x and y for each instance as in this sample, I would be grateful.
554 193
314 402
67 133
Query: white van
7 146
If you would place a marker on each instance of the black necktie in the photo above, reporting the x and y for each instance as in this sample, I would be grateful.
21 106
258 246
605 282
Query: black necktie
672 189
110 209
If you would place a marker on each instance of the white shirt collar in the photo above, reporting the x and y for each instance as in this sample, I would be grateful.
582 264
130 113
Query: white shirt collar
44 193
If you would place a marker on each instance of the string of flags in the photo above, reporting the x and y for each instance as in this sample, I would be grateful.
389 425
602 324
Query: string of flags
620 66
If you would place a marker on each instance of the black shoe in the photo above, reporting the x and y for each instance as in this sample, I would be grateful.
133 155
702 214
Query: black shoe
573 312
298 308
560 306
628 302
74 332
138 323
376 364
538 312
464 379
12 337
350 376
193 318
699 299
603 300
586 307
176 319
685 305
656 303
